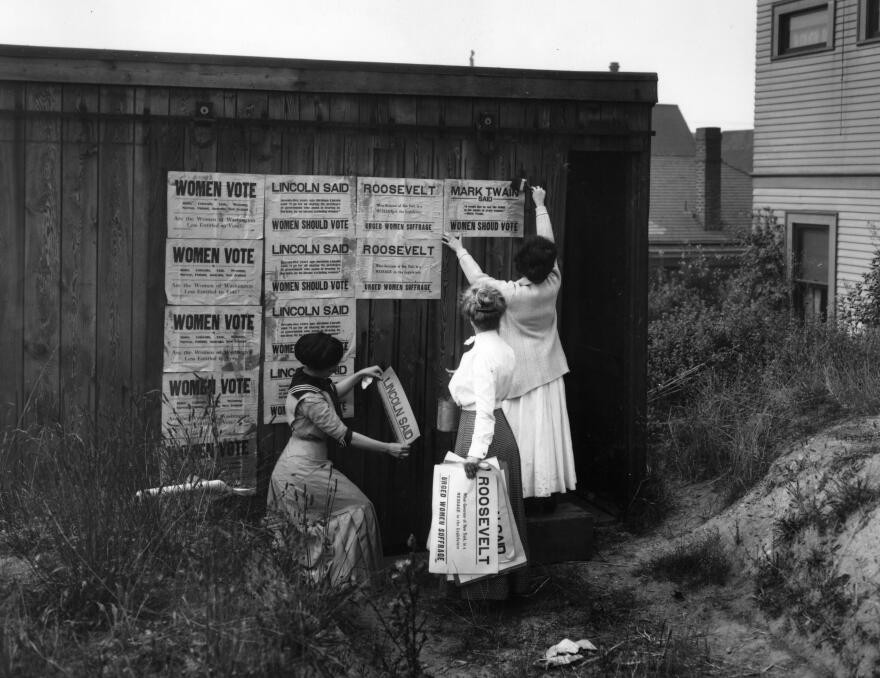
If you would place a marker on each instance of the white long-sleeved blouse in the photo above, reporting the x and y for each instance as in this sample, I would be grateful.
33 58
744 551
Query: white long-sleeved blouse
480 383
529 325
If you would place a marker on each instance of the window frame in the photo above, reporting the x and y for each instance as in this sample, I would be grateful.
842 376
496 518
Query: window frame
787 7
813 218
864 38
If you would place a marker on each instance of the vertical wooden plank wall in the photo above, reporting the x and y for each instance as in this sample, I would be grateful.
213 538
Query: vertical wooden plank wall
42 252
115 255
79 245
82 266
157 147
12 274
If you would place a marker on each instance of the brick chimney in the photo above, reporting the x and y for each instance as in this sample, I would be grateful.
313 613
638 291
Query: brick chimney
707 172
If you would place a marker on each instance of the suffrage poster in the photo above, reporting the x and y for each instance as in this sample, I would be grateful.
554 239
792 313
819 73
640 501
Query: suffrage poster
487 209
212 338
511 554
232 459
464 522
311 266
276 381
213 272
397 408
289 319
215 205
207 406
407 268
307 205
388 208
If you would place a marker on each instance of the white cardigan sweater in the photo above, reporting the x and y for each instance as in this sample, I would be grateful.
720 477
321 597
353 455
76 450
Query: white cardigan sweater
529 325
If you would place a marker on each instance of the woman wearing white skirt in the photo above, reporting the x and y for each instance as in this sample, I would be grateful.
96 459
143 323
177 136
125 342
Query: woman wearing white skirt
536 406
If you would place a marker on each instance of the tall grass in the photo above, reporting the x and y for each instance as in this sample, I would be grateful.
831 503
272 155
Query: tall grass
174 585
70 510
736 376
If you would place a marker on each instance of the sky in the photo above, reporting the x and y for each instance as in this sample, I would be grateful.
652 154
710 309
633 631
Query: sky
703 51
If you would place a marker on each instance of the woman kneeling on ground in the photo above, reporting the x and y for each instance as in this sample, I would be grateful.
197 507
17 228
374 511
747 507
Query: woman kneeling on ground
304 485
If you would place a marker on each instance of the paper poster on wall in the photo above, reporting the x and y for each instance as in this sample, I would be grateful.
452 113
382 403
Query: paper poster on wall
212 338
213 271
398 269
232 459
206 406
288 319
401 208
309 205
313 266
276 381
483 209
215 205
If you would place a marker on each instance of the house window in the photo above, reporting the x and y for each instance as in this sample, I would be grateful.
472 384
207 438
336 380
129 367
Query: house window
811 244
803 27
869 20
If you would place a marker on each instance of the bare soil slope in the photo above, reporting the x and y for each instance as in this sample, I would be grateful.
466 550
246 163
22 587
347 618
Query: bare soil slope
803 599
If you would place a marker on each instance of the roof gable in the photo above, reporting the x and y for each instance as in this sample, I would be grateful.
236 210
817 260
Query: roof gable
671 133
737 149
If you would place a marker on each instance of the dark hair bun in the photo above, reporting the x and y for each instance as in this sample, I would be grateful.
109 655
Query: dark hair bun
536 258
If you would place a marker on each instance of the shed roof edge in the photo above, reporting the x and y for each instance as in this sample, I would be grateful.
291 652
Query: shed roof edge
121 67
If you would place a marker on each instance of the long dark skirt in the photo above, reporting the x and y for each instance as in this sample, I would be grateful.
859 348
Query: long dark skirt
504 447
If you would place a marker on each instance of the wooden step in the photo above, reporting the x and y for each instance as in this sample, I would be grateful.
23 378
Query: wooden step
564 535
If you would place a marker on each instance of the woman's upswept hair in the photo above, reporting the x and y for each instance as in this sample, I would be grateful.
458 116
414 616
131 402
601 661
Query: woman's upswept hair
535 258
483 305
318 350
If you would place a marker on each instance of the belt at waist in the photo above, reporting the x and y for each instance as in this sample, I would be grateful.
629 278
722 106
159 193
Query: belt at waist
307 448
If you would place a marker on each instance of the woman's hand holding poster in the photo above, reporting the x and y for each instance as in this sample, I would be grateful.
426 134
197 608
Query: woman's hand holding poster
473 534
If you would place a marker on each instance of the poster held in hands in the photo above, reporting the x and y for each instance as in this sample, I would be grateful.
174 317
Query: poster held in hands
473 534
397 407
464 526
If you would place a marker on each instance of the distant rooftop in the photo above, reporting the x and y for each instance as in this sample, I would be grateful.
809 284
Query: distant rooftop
671 133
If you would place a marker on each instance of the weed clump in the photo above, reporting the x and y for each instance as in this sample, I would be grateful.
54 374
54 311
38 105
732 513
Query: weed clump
700 562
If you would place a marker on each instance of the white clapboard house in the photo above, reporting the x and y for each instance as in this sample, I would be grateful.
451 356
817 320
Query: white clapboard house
817 139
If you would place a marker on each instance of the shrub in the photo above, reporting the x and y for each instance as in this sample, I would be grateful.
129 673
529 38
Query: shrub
860 307
703 317
734 376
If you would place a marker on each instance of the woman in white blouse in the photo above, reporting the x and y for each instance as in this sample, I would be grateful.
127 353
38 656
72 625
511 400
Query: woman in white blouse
535 404
478 386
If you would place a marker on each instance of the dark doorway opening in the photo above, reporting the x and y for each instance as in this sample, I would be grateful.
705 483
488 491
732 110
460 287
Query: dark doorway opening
593 319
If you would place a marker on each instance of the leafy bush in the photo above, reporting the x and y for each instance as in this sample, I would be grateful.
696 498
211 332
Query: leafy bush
734 376
703 316
860 307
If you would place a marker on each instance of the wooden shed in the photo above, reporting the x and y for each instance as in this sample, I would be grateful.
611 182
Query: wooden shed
87 138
